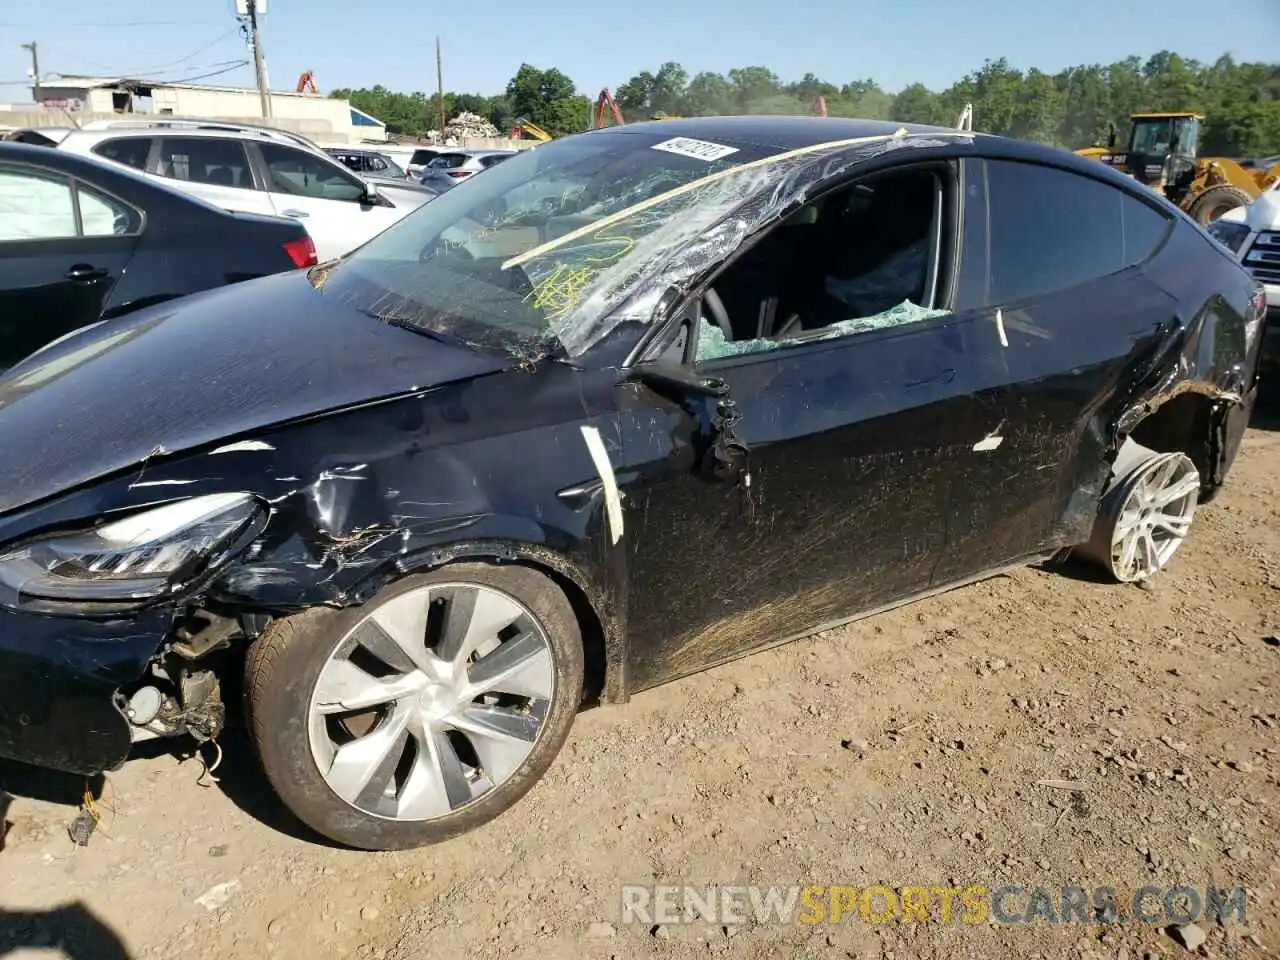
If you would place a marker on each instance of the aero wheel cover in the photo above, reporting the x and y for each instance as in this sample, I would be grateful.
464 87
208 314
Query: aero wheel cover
1155 516
431 702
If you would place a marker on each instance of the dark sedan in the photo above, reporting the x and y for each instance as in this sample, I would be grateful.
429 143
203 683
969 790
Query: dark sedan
632 404
81 241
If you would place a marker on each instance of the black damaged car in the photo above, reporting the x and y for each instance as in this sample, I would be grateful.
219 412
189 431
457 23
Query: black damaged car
630 405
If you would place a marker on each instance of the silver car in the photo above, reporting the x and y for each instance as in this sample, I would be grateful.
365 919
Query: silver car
370 164
451 168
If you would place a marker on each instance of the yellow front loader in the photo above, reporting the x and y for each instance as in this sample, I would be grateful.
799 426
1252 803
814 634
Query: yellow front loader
1162 153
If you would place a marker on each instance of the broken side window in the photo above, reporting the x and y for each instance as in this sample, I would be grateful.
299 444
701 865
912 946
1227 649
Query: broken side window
859 259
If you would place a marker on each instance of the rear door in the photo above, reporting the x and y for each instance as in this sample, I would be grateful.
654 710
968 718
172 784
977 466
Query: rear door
325 197
130 151
214 169
63 247
1069 311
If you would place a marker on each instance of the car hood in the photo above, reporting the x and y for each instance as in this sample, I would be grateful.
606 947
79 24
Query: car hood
1264 212
205 368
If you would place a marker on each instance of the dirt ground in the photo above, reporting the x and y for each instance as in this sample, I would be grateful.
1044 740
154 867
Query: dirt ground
903 750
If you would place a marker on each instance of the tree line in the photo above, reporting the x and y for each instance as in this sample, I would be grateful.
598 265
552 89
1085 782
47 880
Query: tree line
1072 108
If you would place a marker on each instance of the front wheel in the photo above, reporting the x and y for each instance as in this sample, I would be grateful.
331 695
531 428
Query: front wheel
422 714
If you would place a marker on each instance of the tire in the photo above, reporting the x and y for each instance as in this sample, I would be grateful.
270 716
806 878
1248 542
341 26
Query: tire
1216 201
1160 490
297 723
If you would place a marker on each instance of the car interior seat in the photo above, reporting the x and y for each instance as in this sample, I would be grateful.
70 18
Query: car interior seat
220 177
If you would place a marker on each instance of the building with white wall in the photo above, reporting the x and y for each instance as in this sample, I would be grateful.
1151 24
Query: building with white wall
321 118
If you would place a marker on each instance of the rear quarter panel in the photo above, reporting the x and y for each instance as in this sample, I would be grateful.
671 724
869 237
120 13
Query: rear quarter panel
200 252
1211 353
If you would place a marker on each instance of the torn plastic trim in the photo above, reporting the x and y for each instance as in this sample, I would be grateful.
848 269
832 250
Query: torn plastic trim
1173 372
1193 360
722 212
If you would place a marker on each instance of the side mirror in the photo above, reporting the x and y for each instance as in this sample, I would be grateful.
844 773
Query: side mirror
371 194
668 375
1111 136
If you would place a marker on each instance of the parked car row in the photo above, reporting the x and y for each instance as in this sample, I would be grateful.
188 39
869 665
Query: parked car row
82 241
624 407
443 167
446 170
84 238
370 164
254 170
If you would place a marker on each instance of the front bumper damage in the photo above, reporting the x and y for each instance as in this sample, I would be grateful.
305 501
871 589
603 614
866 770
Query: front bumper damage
75 695
60 683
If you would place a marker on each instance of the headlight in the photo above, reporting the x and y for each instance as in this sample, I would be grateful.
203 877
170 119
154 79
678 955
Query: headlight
1230 235
141 557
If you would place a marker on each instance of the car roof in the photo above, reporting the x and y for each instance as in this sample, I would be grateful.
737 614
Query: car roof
780 132
158 131
182 132
783 133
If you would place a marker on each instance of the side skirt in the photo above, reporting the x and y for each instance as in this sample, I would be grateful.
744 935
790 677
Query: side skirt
863 615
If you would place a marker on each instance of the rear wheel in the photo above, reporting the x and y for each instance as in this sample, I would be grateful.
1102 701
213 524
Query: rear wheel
1145 515
422 714
1216 201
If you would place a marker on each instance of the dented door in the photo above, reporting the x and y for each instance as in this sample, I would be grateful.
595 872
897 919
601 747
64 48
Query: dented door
1066 328
851 449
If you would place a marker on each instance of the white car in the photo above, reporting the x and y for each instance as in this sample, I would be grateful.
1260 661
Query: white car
1252 233
257 171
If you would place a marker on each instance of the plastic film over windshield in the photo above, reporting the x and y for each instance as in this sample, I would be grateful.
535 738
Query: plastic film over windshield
654 246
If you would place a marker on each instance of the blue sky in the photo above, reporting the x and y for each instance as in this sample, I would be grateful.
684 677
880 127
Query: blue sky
353 44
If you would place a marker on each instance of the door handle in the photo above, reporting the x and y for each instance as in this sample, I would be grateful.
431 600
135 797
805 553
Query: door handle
296 214
84 271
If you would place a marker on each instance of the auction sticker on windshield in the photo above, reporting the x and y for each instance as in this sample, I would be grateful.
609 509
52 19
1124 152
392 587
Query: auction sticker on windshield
697 149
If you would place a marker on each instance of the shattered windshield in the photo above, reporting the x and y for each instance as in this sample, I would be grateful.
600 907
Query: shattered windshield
544 243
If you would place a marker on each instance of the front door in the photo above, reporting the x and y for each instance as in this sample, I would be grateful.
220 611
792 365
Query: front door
325 197
63 246
853 447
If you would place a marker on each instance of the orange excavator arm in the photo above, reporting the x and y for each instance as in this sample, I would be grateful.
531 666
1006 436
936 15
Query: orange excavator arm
606 100
308 79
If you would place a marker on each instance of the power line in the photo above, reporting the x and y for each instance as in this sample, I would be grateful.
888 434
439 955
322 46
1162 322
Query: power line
205 76
173 63
230 66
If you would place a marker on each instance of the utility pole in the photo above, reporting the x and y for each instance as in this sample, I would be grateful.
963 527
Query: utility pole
440 89
259 68
35 68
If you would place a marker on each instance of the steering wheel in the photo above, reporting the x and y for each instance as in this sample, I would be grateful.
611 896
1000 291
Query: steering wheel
715 306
